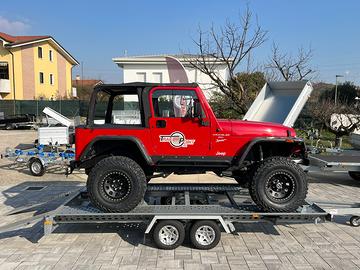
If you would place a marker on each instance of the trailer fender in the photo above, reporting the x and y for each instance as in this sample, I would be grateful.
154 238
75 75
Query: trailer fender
41 160
227 227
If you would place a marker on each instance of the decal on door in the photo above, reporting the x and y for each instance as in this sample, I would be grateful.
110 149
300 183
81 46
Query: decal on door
177 139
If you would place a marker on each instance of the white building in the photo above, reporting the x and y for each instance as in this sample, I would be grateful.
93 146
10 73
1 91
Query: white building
154 69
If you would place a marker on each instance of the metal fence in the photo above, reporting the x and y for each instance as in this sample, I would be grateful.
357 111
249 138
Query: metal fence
69 108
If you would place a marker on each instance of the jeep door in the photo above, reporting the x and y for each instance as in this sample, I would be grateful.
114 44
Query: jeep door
175 129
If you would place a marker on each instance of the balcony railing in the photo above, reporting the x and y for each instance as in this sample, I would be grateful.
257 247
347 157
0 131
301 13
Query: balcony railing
4 86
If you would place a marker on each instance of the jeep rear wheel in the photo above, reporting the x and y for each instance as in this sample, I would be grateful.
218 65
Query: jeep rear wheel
116 184
278 185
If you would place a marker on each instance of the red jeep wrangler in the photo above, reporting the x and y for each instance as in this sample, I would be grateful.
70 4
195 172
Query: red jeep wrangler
138 131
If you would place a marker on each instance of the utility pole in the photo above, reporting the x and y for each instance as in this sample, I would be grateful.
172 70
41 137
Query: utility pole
82 75
336 85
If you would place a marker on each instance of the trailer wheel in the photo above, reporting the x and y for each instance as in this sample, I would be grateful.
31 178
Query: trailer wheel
278 185
169 234
36 167
205 234
355 175
9 126
116 184
355 221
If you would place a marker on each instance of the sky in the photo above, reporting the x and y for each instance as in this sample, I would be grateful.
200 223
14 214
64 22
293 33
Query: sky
94 32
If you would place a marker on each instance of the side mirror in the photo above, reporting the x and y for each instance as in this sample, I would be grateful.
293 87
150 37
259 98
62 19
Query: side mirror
197 109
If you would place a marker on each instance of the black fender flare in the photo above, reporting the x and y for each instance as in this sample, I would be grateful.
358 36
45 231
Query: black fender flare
138 143
245 151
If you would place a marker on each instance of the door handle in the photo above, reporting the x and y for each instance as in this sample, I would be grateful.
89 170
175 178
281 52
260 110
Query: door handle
160 123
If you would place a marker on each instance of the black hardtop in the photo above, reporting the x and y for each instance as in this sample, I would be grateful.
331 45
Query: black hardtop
140 88
134 87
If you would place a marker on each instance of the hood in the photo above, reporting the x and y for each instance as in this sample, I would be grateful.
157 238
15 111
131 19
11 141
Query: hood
255 129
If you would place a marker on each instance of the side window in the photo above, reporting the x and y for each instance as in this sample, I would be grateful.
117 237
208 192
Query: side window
102 101
50 55
174 103
40 52
117 110
41 77
4 70
51 79
126 110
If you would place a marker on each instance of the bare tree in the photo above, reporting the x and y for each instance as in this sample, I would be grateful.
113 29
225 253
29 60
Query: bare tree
231 44
283 66
340 119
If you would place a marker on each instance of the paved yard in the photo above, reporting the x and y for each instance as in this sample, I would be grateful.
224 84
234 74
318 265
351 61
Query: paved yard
255 245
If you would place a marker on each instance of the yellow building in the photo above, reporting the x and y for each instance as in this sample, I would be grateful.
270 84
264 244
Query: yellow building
33 67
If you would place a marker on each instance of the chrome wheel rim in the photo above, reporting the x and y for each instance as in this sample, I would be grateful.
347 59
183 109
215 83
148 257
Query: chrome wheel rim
356 221
36 167
168 235
205 235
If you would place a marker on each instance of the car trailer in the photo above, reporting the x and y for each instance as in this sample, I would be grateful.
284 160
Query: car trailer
171 211
337 161
18 121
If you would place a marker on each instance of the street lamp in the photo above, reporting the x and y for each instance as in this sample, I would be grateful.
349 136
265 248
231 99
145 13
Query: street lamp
336 85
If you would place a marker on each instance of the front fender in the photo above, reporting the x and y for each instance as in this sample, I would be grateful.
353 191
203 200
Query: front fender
241 156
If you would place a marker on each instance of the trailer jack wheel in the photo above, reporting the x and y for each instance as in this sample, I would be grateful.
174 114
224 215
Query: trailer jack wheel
169 234
36 167
355 221
205 234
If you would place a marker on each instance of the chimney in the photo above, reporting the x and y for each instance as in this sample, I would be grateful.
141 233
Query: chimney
78 77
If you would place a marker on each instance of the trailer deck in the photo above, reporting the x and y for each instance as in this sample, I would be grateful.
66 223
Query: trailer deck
228 201
221 204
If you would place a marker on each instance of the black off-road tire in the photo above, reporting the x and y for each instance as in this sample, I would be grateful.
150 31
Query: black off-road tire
114 170
215 232
263 187
173 224
355 175
36 167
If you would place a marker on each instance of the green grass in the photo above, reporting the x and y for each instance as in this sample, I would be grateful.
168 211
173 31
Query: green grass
326 139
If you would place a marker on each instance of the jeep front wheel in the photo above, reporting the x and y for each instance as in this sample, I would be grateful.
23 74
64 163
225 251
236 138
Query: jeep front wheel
116 184
278 185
